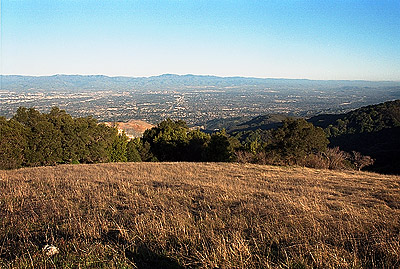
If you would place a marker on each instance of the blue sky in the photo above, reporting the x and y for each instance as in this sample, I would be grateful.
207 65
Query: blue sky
289 39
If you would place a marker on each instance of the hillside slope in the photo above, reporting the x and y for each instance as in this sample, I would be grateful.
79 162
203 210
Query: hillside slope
372 130
132 128
174 215
242 124
366 119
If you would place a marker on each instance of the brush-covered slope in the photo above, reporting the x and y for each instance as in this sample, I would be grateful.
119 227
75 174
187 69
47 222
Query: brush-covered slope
372 130
246 123
174 215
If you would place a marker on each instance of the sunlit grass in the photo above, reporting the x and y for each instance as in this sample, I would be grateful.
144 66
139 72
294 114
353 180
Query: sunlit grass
171 215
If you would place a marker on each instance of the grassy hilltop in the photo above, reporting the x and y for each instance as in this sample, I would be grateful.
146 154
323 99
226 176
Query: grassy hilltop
214 215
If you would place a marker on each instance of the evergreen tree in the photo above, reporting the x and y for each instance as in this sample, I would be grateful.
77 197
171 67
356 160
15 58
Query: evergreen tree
56 137
168 141
118 150
296 139
221 147
196 150
100 141
44 140
132 153
13 143
69 136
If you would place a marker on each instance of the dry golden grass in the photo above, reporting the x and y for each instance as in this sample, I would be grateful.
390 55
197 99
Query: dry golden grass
173 215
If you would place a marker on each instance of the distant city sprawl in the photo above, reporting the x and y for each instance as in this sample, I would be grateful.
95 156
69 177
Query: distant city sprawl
194 99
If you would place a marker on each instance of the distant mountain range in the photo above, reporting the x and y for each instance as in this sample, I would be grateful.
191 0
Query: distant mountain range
100 82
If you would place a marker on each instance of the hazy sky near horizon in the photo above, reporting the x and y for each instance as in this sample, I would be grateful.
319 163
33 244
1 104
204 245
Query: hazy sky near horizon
319 39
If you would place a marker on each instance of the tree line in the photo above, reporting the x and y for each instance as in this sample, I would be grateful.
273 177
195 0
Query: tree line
31 138
371 130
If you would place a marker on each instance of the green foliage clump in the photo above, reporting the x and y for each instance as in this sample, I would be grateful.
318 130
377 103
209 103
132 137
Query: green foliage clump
44 139
367 119
13 144
174 141
292 143
298 138
118 149
222 147
197 145
132 152
168 141
372 130
32 138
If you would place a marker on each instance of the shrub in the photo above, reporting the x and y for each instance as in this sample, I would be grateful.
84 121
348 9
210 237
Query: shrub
316 161
297 139
337 159
360 161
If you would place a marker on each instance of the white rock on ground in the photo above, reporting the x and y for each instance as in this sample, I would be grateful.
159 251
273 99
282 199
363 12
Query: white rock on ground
50 250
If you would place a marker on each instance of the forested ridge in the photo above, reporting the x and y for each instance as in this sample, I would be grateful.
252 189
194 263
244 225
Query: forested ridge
366 119
366 137
372 130
31 138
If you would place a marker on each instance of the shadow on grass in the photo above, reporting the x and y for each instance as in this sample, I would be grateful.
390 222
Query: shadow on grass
141 255
145 258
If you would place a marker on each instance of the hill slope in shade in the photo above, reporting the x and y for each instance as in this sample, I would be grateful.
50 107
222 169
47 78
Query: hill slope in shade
367 119
237 124
175 215
372 130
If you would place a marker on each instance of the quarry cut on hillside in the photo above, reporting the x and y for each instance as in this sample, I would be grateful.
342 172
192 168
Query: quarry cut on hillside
132 128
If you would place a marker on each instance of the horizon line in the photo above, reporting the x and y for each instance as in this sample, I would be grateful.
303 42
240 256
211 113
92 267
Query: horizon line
201 75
